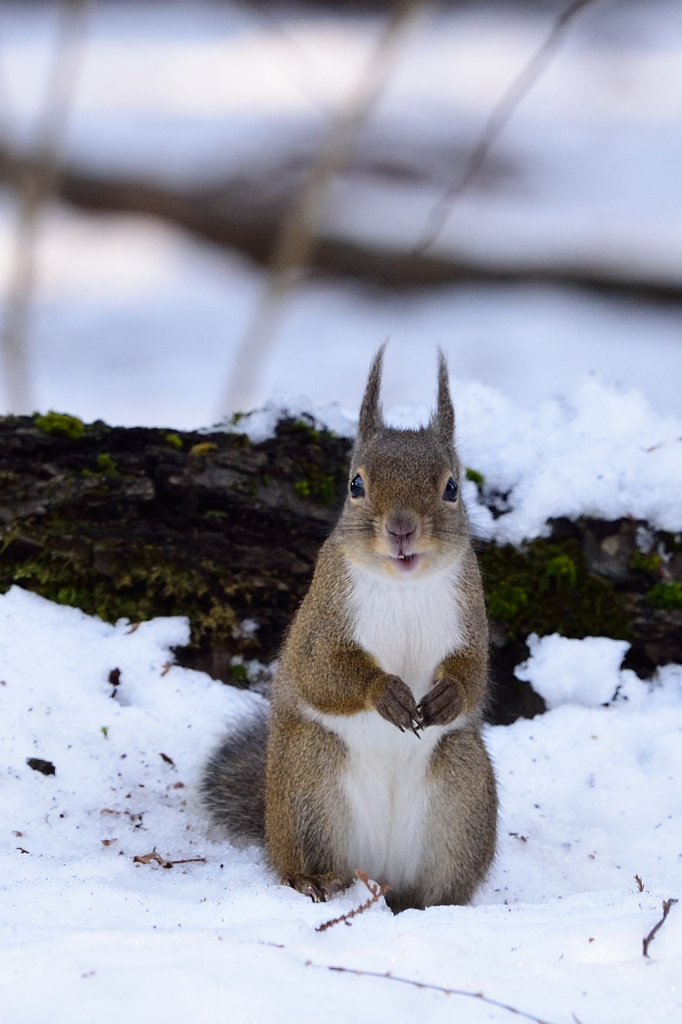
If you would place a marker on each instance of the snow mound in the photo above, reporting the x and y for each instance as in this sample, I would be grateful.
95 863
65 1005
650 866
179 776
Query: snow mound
261 424
600 452
585 672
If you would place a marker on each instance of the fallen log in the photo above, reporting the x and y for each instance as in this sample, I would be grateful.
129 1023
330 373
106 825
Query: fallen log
140 522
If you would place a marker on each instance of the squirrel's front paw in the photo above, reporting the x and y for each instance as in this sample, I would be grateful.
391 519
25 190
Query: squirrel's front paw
442 704
397 705
320 888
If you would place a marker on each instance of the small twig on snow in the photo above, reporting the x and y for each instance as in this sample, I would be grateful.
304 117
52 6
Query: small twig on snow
147 858
667 904
376 892
433 988
640 884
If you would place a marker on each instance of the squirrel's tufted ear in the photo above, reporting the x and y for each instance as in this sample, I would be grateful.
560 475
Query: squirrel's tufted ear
443 420
371 420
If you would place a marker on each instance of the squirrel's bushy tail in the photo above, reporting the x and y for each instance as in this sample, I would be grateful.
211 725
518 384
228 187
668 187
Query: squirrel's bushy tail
233 784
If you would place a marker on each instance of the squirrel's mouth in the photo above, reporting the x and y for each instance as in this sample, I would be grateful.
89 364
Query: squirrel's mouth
405 562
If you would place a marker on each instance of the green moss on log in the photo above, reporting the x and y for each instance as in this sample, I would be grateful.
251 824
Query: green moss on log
642 562
665 594
545 587
139 584
60 424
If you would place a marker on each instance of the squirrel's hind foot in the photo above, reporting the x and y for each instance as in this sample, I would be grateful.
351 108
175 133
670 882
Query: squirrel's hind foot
320 888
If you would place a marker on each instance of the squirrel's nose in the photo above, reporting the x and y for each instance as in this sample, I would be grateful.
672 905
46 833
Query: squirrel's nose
401 530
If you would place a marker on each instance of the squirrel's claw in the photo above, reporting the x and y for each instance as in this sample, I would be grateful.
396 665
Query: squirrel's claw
397 705
414 726
320 888
442 704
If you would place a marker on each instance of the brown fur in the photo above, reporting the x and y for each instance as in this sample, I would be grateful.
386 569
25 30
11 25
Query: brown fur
323 668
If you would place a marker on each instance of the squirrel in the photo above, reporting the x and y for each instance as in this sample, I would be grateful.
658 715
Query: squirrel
374 756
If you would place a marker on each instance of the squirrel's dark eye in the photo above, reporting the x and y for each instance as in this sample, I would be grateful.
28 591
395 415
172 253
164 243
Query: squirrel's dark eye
450 492
357 488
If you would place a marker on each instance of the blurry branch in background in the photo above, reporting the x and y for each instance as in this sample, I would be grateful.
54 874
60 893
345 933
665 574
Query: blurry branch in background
37 184
296 237
223 215
496 122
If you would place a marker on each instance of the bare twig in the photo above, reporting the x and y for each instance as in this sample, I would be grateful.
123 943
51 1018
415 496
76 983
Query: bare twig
376 892
667 905
147 858
37 186
433 988
296 238
496 122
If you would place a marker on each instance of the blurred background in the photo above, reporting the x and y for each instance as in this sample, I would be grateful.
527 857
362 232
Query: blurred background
207 203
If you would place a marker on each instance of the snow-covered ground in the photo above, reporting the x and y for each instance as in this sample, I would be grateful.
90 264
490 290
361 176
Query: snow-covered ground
589 800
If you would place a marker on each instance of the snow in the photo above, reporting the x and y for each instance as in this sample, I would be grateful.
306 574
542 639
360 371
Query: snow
600 452
585 672
588 799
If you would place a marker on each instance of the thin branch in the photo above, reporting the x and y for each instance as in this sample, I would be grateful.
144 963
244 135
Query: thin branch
667 905
296 239
376 892
433 988
496 122
38 185
147 858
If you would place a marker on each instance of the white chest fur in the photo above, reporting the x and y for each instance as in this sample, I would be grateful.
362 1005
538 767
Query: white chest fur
408 626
